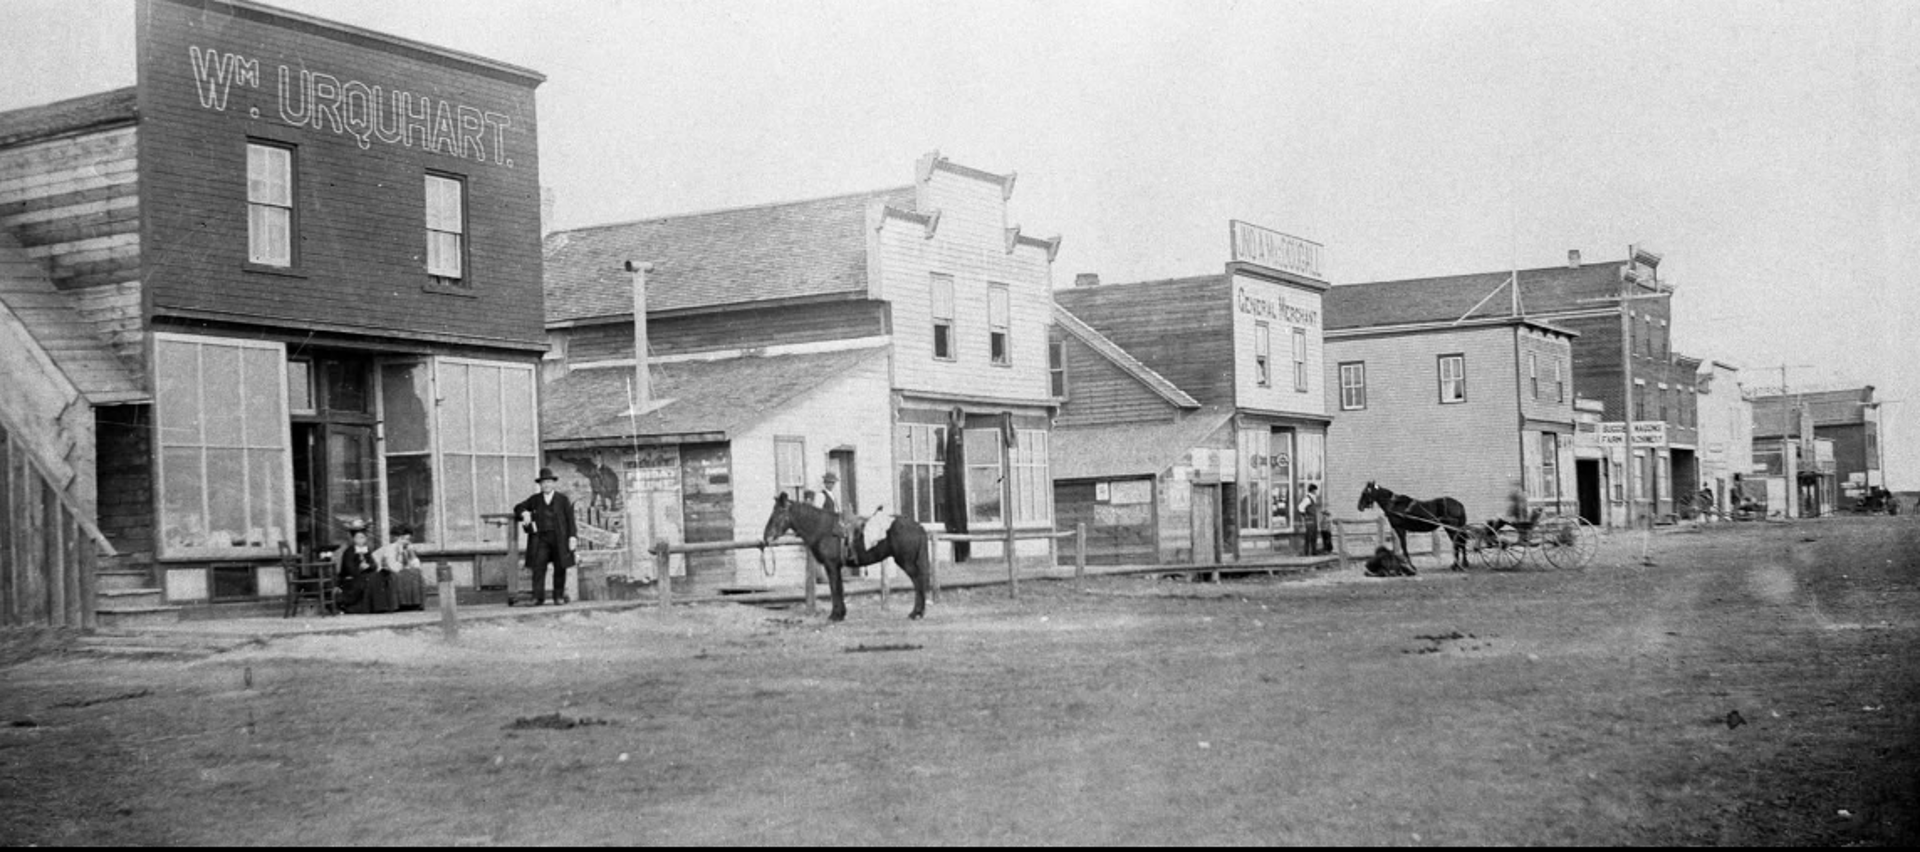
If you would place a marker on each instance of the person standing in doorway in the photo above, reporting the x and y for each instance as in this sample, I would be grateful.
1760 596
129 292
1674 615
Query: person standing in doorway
1310 514
547 519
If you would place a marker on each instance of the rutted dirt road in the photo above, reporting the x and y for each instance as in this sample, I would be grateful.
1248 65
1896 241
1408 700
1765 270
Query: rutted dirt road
1759 684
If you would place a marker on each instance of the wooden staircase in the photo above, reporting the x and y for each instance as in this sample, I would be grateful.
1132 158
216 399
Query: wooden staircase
126 594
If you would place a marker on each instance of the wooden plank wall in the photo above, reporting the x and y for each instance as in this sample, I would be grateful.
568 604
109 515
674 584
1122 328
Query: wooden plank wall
73 203
46 557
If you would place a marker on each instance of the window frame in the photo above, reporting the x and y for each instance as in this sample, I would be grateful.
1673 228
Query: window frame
436 279
944 324
291 208
790 452
920 465
1559 382
1533 373
1301 380
1353 394
1459 380
999 325
1057 368
278 475
1262 354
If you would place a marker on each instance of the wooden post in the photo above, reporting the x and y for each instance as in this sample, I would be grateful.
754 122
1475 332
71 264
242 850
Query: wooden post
449 606
1006 514
930 551
1080 551
885 586
662 563
812 606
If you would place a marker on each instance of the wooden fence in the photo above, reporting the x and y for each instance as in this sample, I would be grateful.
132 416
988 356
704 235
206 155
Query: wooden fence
663 551
48 547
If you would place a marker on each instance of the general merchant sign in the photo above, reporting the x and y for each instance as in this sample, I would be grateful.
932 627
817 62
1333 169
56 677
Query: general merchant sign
1274 250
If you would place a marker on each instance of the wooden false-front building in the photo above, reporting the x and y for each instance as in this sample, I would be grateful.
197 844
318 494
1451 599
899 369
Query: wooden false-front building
895 338
286 282
1193 416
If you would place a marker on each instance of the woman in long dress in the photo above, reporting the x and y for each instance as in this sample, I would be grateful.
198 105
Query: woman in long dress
407 587
353 567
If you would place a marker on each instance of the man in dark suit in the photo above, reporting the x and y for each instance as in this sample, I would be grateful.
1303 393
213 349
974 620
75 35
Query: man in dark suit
547 519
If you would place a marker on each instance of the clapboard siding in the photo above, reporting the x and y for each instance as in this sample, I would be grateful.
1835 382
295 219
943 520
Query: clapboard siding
360 211
745 329
1409 442
1283 308
969 244
1181 329
1098 392
73 203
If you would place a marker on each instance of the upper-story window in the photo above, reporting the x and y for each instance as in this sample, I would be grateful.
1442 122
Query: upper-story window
1559 382
1353 386
1263 354
1453 378
1057 368
942 300
1300 360
446 230
269 204
1533 373
1000 324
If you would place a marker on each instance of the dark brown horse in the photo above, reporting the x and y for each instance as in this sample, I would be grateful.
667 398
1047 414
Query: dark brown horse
905 543
1406 515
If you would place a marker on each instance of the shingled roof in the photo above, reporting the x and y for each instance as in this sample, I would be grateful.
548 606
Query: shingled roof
774 252
87 112
1418 300
707 400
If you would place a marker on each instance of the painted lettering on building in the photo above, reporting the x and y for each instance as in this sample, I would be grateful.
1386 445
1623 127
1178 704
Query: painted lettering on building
1274 250
366 112
1273 308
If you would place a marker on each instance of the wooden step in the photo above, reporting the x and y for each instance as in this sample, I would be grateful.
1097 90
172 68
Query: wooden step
137 616
123 579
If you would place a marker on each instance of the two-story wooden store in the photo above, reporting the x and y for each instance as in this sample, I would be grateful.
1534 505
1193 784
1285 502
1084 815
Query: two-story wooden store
1194 413
315 251
1474 407
1621 314
885 337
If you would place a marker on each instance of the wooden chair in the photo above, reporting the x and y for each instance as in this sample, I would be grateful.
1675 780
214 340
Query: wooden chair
308 581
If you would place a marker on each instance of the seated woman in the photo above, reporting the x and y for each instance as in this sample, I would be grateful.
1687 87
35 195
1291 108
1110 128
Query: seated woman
354 567
401 566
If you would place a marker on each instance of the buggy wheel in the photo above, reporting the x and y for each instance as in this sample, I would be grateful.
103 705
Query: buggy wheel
1568 542
1494 548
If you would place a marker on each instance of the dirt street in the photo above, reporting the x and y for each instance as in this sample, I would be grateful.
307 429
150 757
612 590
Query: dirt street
1758 684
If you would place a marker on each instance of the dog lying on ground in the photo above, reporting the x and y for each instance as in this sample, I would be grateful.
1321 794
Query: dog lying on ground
1387 563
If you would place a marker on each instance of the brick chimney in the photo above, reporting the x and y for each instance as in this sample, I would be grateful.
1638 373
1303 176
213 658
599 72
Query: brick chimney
1086 279
1573 259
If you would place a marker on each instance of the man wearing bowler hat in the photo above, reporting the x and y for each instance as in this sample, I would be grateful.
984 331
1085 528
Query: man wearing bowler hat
547 519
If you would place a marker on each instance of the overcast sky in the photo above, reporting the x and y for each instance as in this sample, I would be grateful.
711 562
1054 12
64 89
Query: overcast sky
1768 150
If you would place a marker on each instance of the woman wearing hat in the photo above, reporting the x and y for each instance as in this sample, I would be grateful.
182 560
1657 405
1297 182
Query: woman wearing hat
354 564
547 519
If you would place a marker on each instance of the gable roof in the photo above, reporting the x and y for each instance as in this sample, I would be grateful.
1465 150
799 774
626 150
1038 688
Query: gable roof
1120 358
1131 449
705 400
770 253
1546 290
73 115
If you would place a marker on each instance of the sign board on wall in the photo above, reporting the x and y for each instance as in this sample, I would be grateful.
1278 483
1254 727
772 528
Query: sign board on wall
1646 433
1274 250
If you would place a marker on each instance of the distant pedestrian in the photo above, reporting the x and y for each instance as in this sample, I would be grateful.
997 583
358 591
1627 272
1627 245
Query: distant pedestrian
547 519
1310 512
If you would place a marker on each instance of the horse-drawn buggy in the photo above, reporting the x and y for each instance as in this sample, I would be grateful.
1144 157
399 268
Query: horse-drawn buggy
1563 541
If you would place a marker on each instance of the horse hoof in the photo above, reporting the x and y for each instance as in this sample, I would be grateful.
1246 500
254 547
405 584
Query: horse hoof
915 616
838 616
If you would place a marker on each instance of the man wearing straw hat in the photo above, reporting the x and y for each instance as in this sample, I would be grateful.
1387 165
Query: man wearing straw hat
547 519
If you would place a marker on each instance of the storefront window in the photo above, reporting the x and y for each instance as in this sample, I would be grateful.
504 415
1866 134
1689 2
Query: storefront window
921 455
1267 483
221 426
1032 482
474 452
